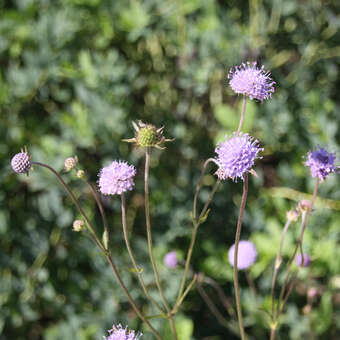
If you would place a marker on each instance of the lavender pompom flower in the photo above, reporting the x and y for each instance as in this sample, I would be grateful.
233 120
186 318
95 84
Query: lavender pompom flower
306 260
321 163
116 178
236 156
170 259
21 162
246 256
251 81
120 333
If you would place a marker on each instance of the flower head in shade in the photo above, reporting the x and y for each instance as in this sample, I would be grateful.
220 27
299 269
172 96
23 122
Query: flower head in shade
236 156
251 81
116 178
247 254
170 259
21 162
306 260
120 333
321 163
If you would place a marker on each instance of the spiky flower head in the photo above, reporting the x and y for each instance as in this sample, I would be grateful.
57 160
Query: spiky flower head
147 135
116 178
306 260
120 333
246 256
321 163
21 162
251 81
170 259
78 225
70 163
236 156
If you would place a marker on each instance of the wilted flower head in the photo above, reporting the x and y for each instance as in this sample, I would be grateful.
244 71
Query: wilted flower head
148 135
21 162
304 205
321 163
70 163
236 156
116 178
292 215
306 260
120 333
251 81
170 259
246 256
78 225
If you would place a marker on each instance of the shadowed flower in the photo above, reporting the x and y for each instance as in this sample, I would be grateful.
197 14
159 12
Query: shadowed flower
306 260
21 162
120 333
251 81
321 163
170 259
236 156
116 178
246 256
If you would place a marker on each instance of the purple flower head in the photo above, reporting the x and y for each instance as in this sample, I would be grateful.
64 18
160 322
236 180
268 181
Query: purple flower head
306 260
170 259
116 178
21 162
246 256
120 333
236 156
321 163
251 81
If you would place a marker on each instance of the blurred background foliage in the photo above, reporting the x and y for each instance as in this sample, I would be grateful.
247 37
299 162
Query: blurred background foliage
75 73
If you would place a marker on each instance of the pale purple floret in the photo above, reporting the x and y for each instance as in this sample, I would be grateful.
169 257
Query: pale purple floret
21 163
170 259
251 81
120 333
321 163
236 156
116 178
306 260
246 256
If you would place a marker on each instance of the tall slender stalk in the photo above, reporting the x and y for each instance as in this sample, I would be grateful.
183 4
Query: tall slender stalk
149 237
133 260
237 240
105 251
243 112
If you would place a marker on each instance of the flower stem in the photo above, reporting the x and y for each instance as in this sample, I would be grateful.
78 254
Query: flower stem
278 262
149 237
243 112
237 240
133 260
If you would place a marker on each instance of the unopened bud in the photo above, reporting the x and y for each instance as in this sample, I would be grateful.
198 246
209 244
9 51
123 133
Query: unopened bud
304 205
80 173
70 163
78 225
312 292
292 215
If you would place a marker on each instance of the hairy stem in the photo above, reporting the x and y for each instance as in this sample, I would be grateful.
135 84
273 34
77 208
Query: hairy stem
149 237
237 240
132 258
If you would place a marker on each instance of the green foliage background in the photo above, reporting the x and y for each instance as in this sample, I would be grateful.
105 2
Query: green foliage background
75 73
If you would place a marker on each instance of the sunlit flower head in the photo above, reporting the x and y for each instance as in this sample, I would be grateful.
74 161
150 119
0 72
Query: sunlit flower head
251 81
120 333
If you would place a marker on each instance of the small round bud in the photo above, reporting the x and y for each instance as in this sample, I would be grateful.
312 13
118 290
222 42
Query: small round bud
312 292
306 260
292 215
70 163
304 205
78 225
170 259
21 163
80 173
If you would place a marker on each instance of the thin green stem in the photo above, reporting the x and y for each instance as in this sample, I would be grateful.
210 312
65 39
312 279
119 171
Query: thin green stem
149 237
243 112
211 196
305 217
76 202
237 240
133 260
278 263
